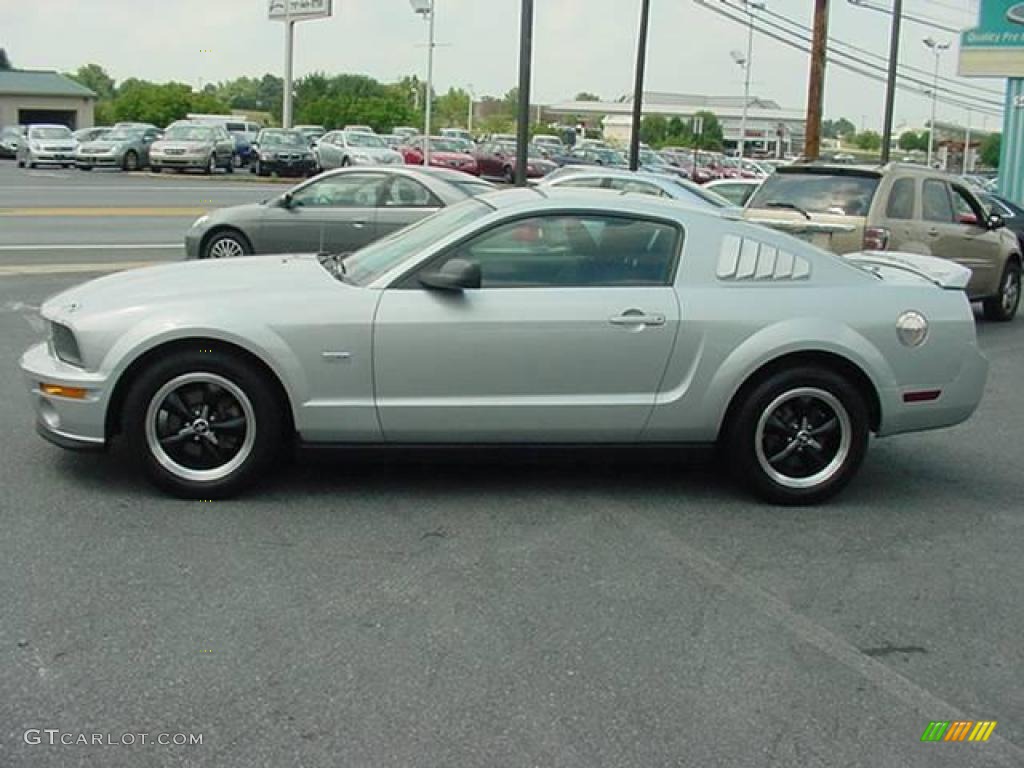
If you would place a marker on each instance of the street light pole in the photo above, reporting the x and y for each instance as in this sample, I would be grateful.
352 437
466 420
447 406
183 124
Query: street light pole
751 7
425 8
936 48
469 116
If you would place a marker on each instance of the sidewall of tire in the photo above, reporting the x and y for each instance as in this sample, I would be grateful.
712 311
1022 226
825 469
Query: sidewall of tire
741 432
269 415
238 238
994 306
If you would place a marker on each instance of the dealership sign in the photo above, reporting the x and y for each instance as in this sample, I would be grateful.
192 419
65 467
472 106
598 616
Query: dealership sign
995 48
300 10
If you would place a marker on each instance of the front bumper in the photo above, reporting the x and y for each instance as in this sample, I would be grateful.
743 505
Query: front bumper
69 423
113 161
179 161
45 156
193 239
959 399
285 167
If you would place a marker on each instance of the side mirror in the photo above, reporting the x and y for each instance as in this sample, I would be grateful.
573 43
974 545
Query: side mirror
286 200
995 221
968 218
454 275
255 145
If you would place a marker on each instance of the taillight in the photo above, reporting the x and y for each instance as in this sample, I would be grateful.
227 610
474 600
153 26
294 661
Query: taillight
876 238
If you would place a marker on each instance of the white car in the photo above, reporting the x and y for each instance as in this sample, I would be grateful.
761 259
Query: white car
53 144
340 149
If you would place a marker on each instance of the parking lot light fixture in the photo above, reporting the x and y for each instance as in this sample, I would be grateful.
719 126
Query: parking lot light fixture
745 62
425 8
936 48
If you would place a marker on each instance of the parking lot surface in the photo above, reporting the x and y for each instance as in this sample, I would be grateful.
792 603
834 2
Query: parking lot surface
606 610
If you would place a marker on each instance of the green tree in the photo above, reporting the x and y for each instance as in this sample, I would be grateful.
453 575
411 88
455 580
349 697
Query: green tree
654 130
451 109
909 141
867 140
711 136
587 96
94 77
336 101
844 127
990 148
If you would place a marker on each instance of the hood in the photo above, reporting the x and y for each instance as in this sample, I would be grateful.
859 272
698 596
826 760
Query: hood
139 293
941 272
449 157
105 144
178 144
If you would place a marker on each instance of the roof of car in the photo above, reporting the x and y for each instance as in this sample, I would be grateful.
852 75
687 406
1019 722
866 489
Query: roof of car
626 202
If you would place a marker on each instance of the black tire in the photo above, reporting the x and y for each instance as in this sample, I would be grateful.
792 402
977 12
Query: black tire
208 385
230 167
260 170
85 167
230 238
155 168
211 165
21 163
779 432
131 161
1002 307
345 162
509 174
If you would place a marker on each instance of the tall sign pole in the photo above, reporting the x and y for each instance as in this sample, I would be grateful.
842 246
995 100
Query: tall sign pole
890 83
289 41
523 116
816 81
291 12
638 86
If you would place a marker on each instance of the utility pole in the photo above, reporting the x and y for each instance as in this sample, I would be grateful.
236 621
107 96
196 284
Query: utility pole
890 83
638 85
816 81
523 116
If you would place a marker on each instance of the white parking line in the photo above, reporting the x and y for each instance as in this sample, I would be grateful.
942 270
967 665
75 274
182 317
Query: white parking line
95 247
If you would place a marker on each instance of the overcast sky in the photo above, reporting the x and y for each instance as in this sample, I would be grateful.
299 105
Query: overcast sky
579 45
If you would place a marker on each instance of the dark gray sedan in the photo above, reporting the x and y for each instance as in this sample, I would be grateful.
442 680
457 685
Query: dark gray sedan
335 212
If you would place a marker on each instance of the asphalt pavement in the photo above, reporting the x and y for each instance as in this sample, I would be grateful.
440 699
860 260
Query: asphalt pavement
475 611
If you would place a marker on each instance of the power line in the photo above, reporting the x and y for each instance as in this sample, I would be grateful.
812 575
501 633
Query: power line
855 68
922 20
907 67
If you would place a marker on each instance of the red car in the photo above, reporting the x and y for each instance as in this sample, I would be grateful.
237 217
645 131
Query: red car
444 153
497 159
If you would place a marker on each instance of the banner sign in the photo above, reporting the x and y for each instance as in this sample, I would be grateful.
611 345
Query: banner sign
995 48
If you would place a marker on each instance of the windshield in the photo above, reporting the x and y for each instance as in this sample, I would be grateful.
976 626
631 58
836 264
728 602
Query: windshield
51 133
647 157
366 265
609 156
292 139
836 194
713 198
357 139
121 134
444 145
189 133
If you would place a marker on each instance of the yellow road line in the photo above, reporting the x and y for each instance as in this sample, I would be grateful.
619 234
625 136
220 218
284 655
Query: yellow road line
55 269
103 212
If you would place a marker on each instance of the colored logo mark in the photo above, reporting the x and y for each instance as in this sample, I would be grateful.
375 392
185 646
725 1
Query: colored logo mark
958 730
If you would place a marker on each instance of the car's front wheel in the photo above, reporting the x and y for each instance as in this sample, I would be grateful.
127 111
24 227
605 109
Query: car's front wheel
226 245
204 424
1003 306
131 161
798 436
211 165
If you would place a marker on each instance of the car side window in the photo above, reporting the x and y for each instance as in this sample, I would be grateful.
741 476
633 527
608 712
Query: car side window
406 193
901 200
355 190
574 251
966 209
935 202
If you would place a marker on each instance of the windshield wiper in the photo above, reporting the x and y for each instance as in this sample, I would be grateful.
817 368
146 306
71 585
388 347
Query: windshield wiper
788 206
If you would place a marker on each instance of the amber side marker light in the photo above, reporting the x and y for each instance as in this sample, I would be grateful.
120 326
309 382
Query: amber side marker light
921 396
75 393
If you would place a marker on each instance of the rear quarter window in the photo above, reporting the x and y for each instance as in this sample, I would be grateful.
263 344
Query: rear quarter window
901 200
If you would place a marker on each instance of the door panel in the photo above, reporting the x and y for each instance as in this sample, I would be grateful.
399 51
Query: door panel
521 364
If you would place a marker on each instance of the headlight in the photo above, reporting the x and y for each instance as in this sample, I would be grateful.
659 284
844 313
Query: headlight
912 328
34 146
266 155
200 221
65 345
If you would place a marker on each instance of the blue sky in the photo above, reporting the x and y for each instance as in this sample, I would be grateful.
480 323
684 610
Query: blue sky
579 45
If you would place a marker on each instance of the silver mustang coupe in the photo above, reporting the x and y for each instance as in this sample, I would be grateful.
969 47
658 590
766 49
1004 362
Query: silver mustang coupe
525 317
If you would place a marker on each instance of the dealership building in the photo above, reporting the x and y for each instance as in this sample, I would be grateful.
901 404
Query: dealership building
37 96
771 130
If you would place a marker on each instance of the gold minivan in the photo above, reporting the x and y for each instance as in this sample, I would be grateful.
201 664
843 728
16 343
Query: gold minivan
896 207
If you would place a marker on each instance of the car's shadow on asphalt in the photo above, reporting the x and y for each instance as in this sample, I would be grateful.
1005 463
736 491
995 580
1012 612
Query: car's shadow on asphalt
895 472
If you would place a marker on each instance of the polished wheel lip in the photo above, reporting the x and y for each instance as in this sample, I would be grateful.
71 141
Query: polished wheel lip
225 248
837 461
181 472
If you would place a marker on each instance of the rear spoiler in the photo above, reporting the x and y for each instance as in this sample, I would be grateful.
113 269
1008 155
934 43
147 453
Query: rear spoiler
801 226
942 272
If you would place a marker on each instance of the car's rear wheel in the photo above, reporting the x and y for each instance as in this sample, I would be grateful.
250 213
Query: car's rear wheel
236 160
509 174
204 424
155 168
226 245
260 170
1003 306
798 436
211 165
85 167
131 161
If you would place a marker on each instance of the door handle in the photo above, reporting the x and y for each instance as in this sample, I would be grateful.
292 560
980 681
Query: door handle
359 224
635 318
933 232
